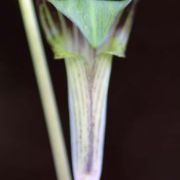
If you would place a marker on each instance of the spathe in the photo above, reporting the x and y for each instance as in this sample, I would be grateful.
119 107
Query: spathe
93 17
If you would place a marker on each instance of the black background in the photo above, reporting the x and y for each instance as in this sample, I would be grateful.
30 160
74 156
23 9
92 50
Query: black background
143 129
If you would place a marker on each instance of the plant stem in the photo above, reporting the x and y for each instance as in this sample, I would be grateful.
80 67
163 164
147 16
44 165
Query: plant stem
45 90
88 83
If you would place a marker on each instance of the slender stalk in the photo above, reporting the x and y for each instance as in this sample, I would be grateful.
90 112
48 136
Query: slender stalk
88 83
46 90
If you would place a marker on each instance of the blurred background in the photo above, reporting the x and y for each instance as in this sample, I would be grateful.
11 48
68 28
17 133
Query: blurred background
143 126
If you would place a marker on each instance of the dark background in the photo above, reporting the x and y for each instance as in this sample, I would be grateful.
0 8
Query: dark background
143 129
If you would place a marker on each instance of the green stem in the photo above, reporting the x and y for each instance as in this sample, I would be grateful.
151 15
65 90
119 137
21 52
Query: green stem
46 91
88 83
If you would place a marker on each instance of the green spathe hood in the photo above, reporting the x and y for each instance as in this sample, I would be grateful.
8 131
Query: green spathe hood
93 17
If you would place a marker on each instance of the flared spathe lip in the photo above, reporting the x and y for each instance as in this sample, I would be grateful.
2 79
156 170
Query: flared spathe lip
94 18
64 42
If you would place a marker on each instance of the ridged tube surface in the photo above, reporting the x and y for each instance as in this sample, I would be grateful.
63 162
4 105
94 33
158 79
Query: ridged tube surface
88 88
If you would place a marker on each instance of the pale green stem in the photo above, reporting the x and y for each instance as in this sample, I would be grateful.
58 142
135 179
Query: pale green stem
88 84
46 90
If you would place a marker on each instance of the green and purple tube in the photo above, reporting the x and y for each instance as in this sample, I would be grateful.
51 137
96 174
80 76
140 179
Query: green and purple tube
87 34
